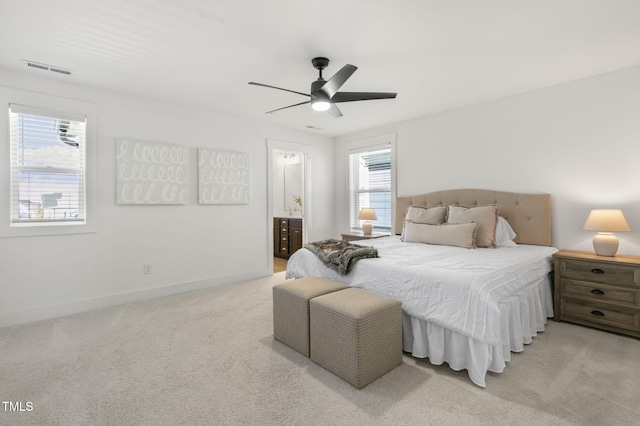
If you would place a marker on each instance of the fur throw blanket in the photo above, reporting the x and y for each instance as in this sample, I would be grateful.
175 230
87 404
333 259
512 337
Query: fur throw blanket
340 255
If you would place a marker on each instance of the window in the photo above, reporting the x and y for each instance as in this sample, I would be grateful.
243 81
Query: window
48 165
47 156
370 185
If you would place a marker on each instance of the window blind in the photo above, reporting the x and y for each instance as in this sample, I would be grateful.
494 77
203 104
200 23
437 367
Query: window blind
370 186
47 166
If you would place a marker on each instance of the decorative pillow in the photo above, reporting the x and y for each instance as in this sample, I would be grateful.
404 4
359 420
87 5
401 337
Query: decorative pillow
504 234
455 234
432 216
486 217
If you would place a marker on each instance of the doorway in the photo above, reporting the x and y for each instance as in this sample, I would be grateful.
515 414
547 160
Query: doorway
288 201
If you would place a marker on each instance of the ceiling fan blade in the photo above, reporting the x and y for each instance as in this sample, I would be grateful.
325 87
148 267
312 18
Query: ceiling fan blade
361 96
335 83
335 111
279 88
290 106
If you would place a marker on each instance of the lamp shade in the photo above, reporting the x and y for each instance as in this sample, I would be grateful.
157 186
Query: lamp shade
367 214
606 220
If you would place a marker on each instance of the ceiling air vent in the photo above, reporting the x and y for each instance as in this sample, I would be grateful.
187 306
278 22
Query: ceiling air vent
45 67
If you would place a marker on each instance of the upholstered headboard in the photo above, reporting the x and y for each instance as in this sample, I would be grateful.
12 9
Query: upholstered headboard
528 214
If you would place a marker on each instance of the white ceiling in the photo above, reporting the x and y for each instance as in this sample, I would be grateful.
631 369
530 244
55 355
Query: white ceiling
436 54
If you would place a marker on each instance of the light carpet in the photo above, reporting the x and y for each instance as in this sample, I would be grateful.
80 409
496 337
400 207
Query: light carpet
209 358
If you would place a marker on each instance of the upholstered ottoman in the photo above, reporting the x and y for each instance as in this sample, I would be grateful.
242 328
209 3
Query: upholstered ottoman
291 309
356 334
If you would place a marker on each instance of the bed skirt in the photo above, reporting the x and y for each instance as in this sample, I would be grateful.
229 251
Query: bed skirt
522 316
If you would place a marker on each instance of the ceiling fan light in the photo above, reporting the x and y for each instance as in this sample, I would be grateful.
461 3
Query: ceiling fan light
320 105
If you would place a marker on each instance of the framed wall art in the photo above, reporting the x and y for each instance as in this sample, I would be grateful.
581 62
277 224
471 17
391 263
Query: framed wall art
223 177
151 172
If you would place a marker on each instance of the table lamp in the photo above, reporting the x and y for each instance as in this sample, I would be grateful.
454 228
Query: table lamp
367 215
606 221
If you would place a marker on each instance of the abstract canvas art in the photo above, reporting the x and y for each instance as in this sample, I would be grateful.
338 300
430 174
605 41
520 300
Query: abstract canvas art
223 177
151 172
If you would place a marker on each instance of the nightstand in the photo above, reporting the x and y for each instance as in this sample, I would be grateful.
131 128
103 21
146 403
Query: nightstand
598 291
353 236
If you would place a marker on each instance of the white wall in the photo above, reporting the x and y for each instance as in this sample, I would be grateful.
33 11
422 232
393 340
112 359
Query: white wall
578 141
188 246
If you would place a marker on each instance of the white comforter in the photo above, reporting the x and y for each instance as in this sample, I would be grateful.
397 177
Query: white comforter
453 287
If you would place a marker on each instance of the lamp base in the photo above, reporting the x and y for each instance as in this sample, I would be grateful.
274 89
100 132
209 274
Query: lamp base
605 244
367 228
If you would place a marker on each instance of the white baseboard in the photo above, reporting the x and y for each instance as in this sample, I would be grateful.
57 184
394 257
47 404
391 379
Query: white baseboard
8 319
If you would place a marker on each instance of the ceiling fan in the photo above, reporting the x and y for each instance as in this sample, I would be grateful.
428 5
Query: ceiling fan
324 93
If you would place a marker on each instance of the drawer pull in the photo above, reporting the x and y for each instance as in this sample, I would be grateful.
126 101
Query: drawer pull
597 271
597 291
285 230
597 313
285 239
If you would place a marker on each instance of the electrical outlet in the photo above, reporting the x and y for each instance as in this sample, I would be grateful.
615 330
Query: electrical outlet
147 269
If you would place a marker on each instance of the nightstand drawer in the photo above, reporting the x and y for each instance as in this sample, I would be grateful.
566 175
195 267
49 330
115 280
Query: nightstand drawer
615 274
626 319
600 293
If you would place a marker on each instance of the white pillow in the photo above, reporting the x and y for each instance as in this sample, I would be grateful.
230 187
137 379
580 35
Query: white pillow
504 233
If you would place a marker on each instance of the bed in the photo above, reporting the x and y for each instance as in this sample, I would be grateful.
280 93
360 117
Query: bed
467 307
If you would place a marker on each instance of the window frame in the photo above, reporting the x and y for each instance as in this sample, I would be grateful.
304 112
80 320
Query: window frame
369 145
65 107
17 168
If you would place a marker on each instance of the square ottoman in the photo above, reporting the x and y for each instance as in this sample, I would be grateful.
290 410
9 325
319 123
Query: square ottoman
356 334
291 309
